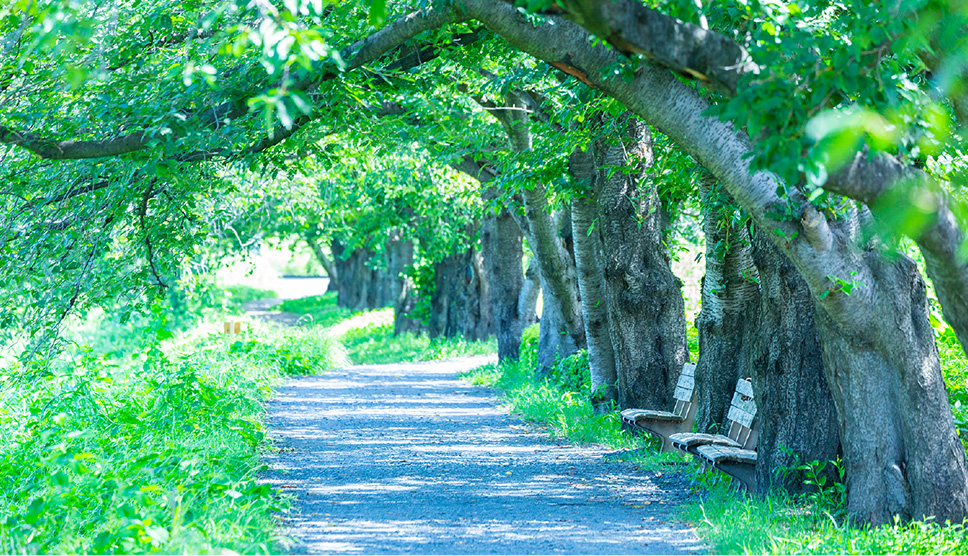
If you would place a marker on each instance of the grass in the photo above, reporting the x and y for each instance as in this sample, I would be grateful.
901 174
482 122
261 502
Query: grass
368 336
321 310
159 452
779 524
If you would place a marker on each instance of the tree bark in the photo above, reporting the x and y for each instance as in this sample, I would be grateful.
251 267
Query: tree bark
528 299
457 303
730 300
363 284
898 437
564 332
588 261
502 252
646 313
400 259
796 412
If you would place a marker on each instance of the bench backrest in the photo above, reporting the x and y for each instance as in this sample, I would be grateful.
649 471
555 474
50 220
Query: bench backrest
684 390
742 412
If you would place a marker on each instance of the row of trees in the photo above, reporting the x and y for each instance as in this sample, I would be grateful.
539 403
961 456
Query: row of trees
813 137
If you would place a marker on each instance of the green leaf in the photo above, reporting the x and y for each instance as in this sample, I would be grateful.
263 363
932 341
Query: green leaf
378 12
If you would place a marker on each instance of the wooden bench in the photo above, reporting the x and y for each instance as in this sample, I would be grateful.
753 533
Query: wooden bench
733 453
232 327
738 463
666 423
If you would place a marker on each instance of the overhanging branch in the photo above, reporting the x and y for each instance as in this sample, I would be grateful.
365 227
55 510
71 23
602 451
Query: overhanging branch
634 28
357 54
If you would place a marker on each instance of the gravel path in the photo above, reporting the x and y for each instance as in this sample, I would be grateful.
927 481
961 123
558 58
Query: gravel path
406 458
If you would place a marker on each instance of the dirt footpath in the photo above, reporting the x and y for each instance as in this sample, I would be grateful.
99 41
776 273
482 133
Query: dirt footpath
406 458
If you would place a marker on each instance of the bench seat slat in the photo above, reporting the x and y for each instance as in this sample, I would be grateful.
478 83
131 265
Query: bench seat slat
688 369
717 454
683 394
636 415
689 439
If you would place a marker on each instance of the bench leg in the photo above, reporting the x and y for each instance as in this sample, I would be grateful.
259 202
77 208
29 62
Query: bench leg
742 472
664 430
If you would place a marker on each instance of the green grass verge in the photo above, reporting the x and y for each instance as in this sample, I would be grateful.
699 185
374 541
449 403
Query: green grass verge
159 453
375 343
778 524
321 310
368 336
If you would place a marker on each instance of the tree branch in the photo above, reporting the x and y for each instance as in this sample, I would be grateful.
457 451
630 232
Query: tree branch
634 28
142 213
73 150
357 54
868 179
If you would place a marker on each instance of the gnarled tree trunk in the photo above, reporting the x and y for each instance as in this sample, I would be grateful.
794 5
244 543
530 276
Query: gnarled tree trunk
458 303
730 300
903 455
646 312
400 259
502 255
795 409
502 251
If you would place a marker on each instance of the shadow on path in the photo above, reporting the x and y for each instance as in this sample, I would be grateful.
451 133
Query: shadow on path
406 458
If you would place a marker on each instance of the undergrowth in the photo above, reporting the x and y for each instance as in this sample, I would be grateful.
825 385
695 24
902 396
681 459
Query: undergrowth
158 452
781 524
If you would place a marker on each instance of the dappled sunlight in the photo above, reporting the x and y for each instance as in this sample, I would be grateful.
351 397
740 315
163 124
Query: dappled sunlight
401 458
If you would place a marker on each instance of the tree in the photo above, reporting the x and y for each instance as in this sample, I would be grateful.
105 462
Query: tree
772 86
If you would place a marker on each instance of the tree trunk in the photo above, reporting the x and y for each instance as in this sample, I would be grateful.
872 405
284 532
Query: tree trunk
794 406
363 284
400 259
643 297
471 318
502 252
730 301
528 299
588 261
440 299
903 455
325 262
456 304
564 332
